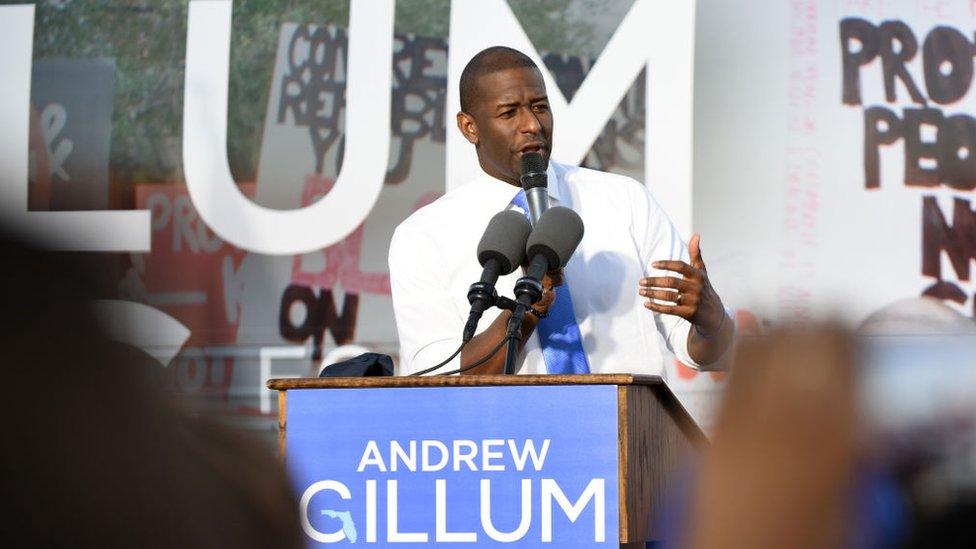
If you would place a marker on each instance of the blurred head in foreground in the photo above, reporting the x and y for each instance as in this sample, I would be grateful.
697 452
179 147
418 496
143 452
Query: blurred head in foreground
918 380
782 460
917 316
96 455
827 439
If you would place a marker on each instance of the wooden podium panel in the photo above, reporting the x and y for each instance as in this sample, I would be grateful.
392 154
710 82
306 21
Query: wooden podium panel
654 435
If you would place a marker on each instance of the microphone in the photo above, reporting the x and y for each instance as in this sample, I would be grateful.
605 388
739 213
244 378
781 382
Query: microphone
549 247
551 244
501 251
535 181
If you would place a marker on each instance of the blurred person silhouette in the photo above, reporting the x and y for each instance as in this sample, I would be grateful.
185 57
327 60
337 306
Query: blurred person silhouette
917 316
782 462
918 385
804 451
97 455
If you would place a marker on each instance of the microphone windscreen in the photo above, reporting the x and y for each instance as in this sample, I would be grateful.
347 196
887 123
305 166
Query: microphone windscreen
556 235
532 171
504 240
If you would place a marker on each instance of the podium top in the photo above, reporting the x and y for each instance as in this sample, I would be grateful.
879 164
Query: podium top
461 381
665 398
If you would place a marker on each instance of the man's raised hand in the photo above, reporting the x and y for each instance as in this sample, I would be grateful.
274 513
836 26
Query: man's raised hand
689 296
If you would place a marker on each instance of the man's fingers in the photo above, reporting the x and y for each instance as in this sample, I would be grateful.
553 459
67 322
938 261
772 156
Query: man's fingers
663 295
677 266
676 310
555 277
694 250
667 282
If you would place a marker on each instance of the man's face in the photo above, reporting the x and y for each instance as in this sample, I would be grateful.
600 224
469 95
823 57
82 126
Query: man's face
510 118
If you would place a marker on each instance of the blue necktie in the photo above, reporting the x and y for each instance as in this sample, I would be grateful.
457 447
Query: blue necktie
559 333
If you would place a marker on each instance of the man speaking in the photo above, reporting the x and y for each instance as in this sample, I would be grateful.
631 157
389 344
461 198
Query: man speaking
630 286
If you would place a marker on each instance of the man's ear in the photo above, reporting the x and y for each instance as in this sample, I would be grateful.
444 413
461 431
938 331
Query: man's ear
468 127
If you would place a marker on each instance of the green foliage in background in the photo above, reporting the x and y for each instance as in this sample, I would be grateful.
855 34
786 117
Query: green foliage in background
564 26
147 40
256 25
142 37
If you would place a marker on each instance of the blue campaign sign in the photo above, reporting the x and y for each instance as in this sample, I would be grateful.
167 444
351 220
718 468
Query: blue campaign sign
482 466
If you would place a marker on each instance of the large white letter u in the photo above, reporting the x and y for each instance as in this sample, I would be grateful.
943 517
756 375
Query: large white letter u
228 212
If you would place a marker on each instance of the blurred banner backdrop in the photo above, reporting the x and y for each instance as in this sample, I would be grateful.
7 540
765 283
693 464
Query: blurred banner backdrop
823 148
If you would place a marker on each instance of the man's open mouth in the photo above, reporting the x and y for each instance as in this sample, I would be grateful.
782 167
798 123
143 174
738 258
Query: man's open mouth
533 148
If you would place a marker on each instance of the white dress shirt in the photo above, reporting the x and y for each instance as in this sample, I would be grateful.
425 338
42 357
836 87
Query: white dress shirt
433 261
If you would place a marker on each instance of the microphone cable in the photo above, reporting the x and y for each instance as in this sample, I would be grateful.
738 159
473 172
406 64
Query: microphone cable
432 368
481 361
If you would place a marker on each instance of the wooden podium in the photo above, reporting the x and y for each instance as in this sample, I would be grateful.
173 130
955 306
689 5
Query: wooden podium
654 432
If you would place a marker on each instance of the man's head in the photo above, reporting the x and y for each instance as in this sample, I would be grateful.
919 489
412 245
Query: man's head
504 110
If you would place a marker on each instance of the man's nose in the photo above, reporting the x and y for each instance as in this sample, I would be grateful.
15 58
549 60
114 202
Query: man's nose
529 122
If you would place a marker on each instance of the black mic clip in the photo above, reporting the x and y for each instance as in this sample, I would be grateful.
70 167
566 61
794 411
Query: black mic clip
525 287
481 296
506 303
484 292
530 287
528 290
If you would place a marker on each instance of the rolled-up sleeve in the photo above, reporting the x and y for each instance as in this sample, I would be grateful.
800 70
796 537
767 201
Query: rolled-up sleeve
657 239
427 320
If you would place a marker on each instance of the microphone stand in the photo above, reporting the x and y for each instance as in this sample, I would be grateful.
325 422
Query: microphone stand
528 290
514 338
486 292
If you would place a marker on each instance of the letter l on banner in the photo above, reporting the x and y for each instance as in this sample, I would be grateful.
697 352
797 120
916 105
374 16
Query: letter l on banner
94 231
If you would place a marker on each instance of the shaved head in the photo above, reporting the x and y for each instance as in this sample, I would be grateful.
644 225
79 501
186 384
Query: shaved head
504 111
488 61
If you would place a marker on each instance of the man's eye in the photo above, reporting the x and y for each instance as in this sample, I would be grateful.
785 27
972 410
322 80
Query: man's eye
509 113
541 107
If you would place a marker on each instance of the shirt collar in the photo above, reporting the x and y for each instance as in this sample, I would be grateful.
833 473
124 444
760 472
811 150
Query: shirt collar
508 191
